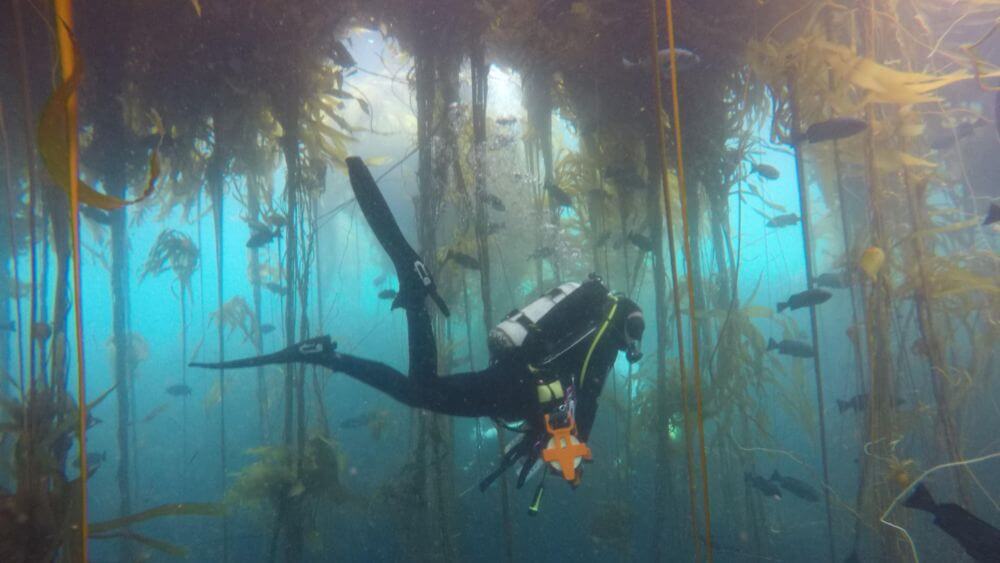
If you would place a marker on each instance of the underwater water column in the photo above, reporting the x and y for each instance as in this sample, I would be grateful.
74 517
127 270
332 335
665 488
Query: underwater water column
255 184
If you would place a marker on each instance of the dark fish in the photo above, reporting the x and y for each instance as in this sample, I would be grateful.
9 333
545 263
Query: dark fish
261 235
558 196
993 215
642 242
463 260
506 121
786 220
155 412
493 201
494 228
833 280
624 176
275 288
542 252
267 328
831 130
8 326
859 403
179 390
766 487
794 348
852 558
798 488
92 421
93 458
388 294
686 60
603 239
963 130
979 539
808 298
41 331
765 171
380 279
361 420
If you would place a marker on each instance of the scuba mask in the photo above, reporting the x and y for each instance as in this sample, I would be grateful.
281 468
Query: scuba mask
635 325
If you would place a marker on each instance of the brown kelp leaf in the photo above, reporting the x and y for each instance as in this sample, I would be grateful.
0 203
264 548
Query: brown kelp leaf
176 509
53 145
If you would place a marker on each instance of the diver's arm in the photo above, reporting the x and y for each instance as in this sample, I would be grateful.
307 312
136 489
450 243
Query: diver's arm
586 406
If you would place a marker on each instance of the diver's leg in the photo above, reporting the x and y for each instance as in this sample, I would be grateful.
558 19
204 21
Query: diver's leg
423 348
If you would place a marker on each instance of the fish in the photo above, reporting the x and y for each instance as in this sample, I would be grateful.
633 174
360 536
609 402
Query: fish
380 279
8 326
686 60
275 287
506 121
993 215
798 488
786 220
557 196
542 252
492 200
852 557
642 242
494 228
179 390
603 239
361 420
977 537
963 130
388 294
794 348
831 130
463 260
624 176
41 331
92 421
93 458
832 280
807 298
859 403
765 171
267 328
763 485
871 261
155 412
260 235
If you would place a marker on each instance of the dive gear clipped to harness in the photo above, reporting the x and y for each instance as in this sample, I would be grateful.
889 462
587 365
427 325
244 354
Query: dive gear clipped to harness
564 451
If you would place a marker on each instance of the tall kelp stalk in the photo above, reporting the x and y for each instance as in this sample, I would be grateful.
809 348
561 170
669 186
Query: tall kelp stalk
480 78
256 183
659 548
537 100
807 252
215 177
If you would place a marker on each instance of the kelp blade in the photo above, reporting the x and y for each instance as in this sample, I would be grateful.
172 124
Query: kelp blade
53 145
181 509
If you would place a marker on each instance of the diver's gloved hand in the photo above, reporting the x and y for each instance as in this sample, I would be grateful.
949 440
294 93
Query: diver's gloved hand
321 350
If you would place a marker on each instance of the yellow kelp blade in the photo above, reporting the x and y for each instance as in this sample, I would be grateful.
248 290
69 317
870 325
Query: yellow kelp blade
53 144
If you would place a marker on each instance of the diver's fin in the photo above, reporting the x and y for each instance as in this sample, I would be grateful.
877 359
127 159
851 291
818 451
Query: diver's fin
415 280
921 499
513 454
320 350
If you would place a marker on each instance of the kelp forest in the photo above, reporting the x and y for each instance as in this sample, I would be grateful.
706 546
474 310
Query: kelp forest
802 196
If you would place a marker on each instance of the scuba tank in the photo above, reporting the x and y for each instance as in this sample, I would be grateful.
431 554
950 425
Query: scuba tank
543 326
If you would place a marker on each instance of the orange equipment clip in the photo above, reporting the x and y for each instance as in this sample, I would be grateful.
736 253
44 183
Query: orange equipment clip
565 451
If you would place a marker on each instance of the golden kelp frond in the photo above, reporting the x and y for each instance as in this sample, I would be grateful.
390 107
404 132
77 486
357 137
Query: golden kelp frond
53 145
882 84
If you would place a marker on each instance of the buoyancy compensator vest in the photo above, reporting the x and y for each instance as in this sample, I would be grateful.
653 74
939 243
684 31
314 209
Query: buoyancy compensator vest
551 323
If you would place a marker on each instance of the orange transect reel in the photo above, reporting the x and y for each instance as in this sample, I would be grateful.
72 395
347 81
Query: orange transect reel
565 451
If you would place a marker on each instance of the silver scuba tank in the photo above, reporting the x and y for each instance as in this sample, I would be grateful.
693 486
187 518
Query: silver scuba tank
512 332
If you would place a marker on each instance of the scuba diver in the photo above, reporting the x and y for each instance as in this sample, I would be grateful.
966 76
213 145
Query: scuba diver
548 361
